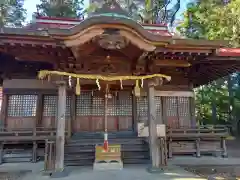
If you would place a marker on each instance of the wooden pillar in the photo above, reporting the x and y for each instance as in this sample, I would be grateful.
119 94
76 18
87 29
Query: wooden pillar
39 111
72 113
60 138
153 139
134 113
192 108
4 110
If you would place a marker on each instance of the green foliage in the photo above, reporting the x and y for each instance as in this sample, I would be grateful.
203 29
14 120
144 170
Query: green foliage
64 8
214 19
207 97
12 13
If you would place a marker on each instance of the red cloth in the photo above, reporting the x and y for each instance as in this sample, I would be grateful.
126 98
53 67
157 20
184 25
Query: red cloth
105 145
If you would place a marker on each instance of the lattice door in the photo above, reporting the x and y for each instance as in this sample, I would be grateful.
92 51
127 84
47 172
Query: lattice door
184 111
125 111
158 101
21 111
171 111
50 105
142 109
177 111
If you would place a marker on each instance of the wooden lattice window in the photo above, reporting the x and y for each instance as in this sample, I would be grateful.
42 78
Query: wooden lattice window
50 105
84 104
98 104
183 106
22 105
142 108
184 111
124 103
158 103
171 106
112 106
177 111
68 106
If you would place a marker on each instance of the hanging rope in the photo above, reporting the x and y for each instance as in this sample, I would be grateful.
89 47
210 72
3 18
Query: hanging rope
46 74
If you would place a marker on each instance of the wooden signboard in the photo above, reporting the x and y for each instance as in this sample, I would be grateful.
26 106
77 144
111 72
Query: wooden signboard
113 153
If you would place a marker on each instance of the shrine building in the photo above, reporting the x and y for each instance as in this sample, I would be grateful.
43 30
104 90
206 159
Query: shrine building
107 73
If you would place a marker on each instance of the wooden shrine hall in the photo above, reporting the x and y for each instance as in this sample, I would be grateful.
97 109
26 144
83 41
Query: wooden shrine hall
58 73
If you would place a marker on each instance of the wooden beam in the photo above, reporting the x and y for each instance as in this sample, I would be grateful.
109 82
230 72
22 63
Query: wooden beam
172 63
182 50
222 58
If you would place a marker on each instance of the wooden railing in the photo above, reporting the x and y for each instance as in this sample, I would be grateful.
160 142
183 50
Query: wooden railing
201 132
21 134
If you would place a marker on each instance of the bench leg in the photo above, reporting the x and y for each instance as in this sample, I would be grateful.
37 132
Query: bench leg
34 152
224 148
198 153
1 153
170 148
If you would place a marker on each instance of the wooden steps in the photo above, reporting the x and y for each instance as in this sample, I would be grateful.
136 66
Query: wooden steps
81 151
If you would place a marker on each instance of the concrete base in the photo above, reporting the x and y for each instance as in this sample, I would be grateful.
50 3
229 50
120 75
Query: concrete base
108 165
155 170
60 174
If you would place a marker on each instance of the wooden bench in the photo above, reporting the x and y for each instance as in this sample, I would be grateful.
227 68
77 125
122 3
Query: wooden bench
197 141
25 136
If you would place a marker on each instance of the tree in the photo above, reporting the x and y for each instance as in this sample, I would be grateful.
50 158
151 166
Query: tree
213 19
216 19
60 8
12 13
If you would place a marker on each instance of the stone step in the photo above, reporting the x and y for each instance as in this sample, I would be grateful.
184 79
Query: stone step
90 162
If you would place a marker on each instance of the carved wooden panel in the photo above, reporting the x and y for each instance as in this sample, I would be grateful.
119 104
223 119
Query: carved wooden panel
105 65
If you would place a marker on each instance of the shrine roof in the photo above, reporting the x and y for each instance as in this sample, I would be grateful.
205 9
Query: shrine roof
109 16
50 39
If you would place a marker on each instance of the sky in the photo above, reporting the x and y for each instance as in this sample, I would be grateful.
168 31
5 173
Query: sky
30 5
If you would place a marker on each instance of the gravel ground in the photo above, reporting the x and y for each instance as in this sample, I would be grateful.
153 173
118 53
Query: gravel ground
216 172
12 175
220 172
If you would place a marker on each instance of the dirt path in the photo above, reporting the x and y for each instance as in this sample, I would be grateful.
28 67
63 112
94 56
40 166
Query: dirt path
220 172
216 172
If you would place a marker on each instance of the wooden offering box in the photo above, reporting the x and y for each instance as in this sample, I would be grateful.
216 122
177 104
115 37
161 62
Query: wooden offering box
113 153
